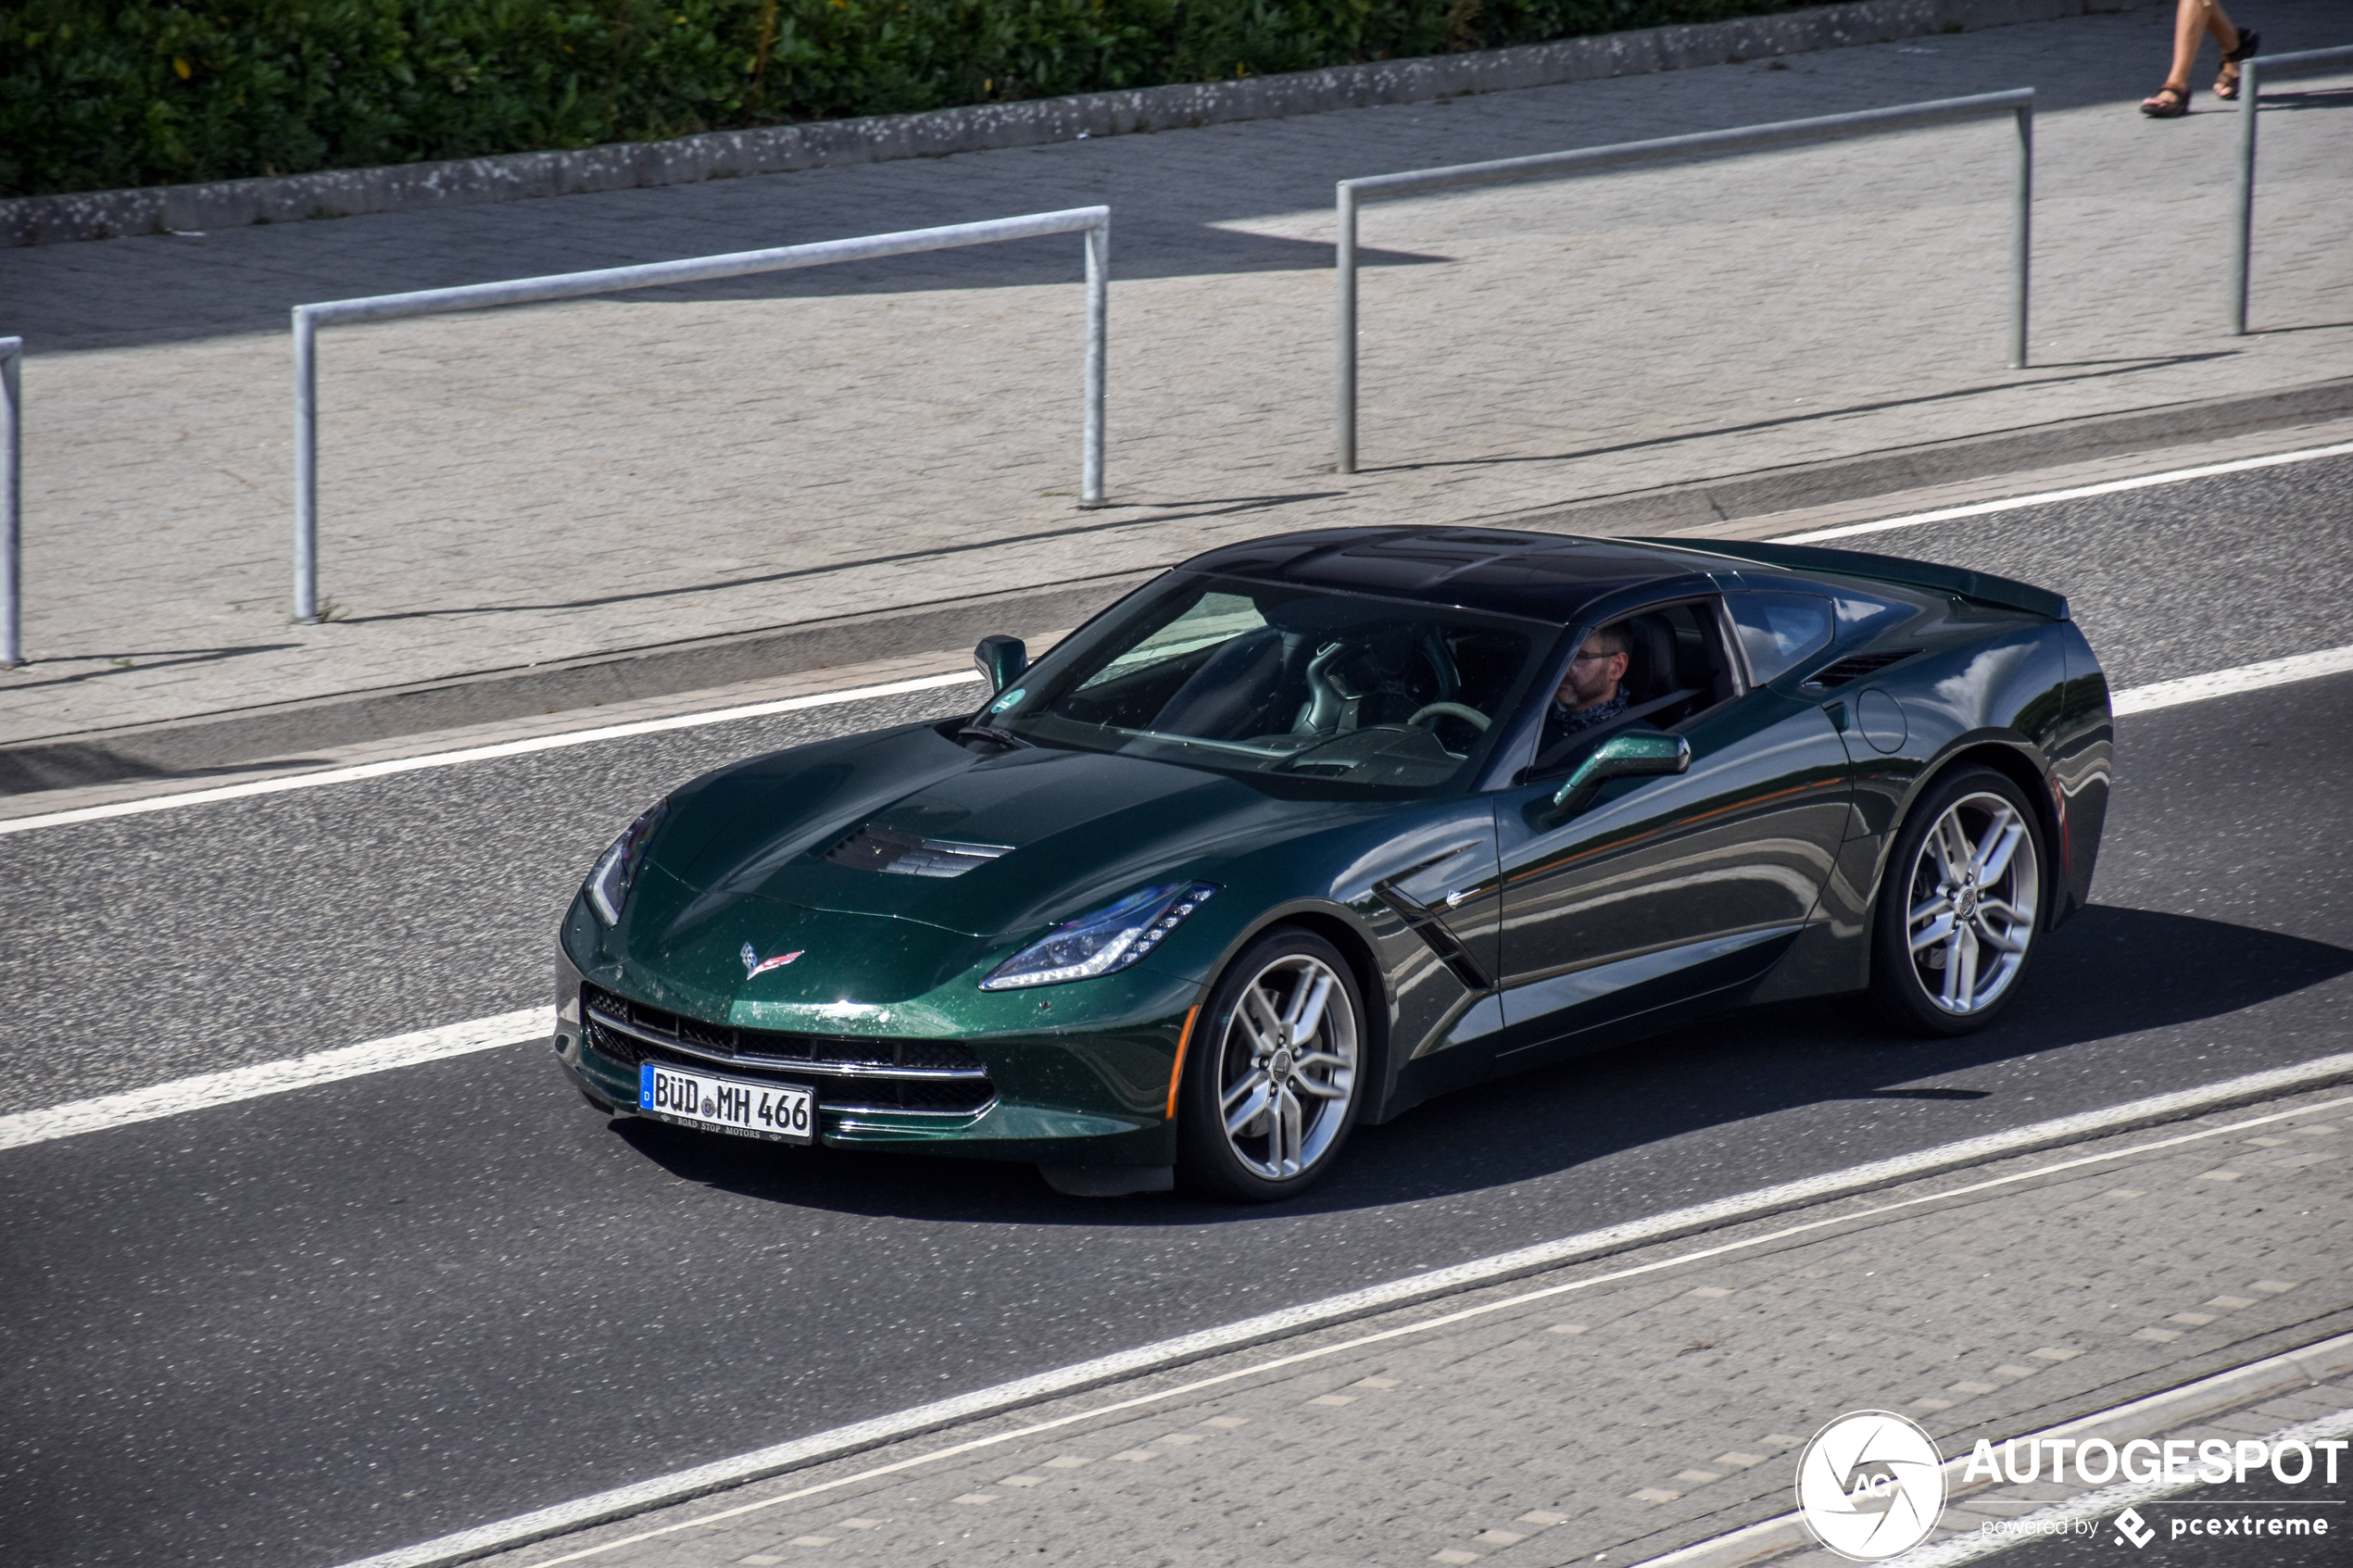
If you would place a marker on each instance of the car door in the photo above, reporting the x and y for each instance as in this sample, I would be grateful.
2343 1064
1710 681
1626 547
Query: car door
1668 890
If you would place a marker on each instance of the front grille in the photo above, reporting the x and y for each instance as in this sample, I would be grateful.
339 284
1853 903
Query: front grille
930 1077
1853 667
902 854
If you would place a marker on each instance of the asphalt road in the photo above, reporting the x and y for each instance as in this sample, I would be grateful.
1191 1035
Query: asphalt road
299 1329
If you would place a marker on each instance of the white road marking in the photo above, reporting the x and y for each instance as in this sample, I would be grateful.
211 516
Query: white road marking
859 694
480 753
2230 682
2082 492
685 1484
210 1089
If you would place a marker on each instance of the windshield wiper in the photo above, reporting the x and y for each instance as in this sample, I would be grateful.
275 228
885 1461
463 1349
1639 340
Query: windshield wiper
992 732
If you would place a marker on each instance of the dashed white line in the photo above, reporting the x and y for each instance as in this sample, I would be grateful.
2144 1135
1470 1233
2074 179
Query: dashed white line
511 1028
2231 682
2081 492
210 1089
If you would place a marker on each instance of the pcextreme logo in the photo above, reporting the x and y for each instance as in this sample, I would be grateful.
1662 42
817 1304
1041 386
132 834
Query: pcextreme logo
1870 1485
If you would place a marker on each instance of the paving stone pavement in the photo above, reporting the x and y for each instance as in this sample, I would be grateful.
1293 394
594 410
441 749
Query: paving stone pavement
1634 1405
560 481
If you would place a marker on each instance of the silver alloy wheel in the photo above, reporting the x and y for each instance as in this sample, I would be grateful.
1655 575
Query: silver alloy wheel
1287 1067
1973 893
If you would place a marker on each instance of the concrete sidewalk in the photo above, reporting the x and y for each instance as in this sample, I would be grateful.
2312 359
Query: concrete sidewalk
570 482
1645 1403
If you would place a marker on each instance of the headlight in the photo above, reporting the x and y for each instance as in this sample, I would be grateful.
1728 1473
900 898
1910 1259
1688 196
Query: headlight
1102 942
609 882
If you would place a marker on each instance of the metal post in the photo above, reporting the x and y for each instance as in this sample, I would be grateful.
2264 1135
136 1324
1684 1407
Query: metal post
1094 222
11 504
1090 477
2244 238
306 375
2022 235
1347 267
2018 102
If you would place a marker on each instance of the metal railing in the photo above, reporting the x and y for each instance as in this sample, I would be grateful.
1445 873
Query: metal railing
1092 221
2251 73
2019 101
11 504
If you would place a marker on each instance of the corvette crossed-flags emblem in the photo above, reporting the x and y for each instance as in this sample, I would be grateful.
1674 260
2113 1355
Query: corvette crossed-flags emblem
754 965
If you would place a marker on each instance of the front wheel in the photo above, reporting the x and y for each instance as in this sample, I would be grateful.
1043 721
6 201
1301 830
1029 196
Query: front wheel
1958 908
1277 1071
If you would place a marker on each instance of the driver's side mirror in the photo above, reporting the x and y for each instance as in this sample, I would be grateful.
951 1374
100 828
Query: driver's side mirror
1000 660
1632 754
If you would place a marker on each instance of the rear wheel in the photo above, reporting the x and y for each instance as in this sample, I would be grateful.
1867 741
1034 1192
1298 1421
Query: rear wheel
1276 1071
1959 907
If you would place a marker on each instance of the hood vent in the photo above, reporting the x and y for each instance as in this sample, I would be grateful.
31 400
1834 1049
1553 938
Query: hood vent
902 854
1853 667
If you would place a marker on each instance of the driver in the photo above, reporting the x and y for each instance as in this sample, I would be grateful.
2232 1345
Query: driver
1592 691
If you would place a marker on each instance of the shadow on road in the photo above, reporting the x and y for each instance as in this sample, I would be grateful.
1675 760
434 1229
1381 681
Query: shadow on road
2110 972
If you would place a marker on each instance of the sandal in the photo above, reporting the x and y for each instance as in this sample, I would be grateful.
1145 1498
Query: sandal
2227 84
2166 103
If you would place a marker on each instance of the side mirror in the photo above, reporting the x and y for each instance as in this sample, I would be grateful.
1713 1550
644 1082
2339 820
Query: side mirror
1000 660
1631 754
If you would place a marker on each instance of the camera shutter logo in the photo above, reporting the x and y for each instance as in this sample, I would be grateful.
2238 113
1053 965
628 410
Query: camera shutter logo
1870 1485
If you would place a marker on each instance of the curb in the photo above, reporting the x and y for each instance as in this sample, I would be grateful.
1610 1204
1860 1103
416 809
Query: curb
2309 1367
180 747
1714 502
620 166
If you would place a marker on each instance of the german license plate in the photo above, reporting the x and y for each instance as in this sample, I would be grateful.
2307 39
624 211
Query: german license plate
785 1112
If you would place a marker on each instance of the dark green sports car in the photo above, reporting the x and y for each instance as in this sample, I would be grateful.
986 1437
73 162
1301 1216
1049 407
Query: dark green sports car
1311 829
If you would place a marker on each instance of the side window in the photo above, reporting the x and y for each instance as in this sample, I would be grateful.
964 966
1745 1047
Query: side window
1675 668
1777 630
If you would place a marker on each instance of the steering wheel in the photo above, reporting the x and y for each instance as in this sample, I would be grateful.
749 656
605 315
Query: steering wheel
1470 716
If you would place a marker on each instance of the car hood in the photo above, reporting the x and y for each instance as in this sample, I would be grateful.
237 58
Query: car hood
1043 834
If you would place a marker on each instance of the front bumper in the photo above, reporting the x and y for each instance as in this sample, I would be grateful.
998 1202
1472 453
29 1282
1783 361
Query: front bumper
1091 1094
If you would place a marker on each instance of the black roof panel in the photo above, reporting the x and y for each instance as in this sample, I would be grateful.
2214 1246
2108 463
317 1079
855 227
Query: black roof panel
1540 576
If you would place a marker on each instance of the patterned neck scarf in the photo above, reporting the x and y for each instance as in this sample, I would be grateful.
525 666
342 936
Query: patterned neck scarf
1586 718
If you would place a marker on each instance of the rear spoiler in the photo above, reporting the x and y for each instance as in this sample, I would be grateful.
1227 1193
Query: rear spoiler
1982 586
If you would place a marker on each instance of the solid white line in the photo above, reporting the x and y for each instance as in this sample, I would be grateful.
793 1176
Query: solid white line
860 694
480 753
2081 492
2230 682
685 1484
211 1089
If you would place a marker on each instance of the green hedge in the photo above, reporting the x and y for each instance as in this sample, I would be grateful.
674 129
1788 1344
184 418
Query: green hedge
101 93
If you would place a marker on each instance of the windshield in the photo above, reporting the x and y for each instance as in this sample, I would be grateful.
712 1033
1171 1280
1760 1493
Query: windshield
1302 683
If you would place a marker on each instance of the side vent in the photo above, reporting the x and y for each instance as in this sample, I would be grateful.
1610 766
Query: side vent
902 854
1853 667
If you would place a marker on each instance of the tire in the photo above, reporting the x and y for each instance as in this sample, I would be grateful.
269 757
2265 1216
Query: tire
1246 1048
1959 907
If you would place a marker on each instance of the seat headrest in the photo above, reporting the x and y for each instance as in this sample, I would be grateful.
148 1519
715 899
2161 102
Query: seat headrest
1650 669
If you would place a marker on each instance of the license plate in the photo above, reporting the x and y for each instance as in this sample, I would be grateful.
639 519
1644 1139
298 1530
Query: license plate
785 1112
